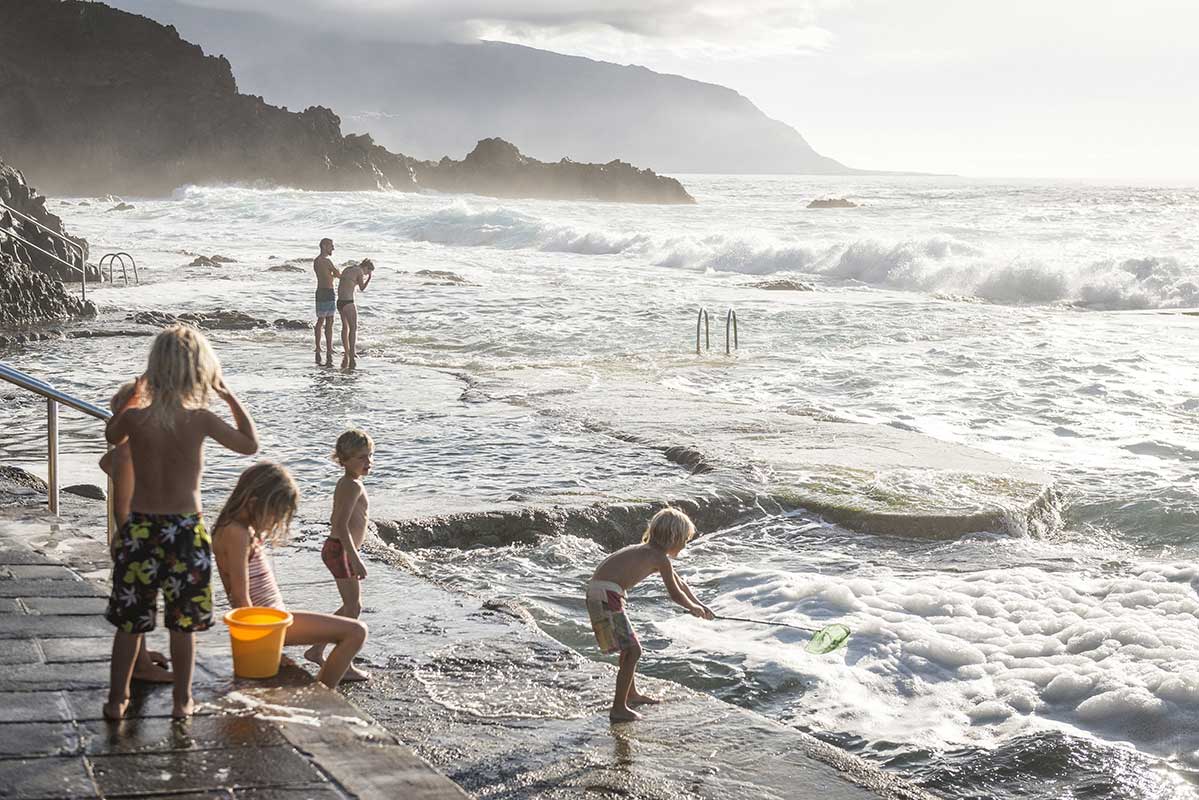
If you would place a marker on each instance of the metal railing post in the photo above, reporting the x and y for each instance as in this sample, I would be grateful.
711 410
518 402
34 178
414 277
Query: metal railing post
730 319
702 317
52 453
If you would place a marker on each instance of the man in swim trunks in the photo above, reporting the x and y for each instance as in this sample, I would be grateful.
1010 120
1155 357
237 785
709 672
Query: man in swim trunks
356 277
326 299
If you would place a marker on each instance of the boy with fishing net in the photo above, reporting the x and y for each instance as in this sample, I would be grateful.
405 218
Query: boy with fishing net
665 537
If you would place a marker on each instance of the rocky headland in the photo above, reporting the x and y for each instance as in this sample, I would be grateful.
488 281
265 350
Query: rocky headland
95 101
31 288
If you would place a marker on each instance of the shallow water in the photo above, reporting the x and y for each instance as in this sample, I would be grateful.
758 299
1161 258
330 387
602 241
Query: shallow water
1018 319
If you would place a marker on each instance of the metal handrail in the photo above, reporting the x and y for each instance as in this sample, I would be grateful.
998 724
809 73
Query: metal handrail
730 318
111 258
27 243
702 317
68 242
54 398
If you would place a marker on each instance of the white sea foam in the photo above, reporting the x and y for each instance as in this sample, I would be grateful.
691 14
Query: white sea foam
974 657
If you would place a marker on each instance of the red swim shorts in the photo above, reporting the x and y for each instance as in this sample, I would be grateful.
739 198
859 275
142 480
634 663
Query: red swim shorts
334 556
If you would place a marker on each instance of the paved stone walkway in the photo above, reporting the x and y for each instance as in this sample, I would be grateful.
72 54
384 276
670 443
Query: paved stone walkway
287 737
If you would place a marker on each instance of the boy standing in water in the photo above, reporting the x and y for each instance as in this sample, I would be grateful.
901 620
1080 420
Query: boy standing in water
351 513
668 532
163 543
326 299
356 277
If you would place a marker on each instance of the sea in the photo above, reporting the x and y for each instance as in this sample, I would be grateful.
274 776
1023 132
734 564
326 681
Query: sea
1049 323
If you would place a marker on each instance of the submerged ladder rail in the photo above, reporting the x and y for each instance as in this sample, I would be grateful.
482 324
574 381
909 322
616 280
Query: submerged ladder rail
731 318
82 268
55 398
702 317
111 259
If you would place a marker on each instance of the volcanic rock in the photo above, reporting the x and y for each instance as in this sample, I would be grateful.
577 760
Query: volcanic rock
832 202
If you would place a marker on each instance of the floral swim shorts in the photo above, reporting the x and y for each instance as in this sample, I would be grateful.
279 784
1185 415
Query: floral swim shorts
167 552
605 606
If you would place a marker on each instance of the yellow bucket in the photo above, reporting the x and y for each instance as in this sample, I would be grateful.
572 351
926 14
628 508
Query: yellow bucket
257 638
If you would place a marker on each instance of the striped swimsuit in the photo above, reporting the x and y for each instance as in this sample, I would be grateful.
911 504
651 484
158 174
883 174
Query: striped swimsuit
264 591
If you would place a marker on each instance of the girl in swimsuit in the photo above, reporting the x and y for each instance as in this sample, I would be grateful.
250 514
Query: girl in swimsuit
259 513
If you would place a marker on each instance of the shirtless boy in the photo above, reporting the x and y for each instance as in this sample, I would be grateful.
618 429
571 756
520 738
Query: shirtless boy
668 532
356 277
326 299
351 512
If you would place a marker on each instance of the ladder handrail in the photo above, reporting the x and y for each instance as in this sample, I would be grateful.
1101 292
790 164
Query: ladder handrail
67 264
111 259
732 317
65 239
54 398
702 317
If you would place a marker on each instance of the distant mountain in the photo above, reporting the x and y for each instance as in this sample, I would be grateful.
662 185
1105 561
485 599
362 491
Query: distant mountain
431 99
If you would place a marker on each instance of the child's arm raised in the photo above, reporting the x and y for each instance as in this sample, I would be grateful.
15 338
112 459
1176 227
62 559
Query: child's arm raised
675 587
687 591
345 497
242 439
231 547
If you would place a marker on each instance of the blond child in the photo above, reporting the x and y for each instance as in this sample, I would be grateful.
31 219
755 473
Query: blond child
347 530
666 535
150 666
258 513
163 544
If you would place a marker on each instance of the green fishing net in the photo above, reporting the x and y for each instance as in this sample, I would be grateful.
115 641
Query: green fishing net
827 639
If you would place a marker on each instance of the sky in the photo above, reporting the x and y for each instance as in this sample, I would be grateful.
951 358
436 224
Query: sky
1023 88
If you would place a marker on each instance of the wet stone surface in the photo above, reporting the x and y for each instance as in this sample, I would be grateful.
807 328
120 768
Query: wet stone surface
53 777
151 773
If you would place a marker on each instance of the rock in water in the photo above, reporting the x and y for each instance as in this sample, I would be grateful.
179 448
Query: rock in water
832 202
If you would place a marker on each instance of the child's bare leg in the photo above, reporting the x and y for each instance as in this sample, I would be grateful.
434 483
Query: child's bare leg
150 666
352 344
636 698
350 590
347 637
624 682
183 659
120 672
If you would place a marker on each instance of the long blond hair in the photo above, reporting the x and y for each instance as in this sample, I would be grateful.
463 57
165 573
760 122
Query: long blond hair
180 373
268 492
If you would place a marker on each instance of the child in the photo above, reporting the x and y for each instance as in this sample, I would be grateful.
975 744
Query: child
259 512
668 532
163 543
356 277
150 666
351 509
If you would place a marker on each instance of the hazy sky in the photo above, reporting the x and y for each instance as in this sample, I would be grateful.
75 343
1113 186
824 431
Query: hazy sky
1078 88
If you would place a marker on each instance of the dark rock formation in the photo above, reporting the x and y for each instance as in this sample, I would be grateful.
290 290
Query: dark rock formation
498 168
782 285
28 297
832 202
286 268
18 195
95 100
220 320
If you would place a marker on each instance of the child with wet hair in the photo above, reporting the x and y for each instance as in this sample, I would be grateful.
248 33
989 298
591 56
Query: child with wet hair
665 537
258 513
163 545
347 530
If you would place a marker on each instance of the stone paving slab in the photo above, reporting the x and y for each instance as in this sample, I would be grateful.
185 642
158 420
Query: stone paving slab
68 606
35 587
22 555
158 773
75 649
9 605
49 778
34 707
19 651
33 677
14 626
42 572
161 734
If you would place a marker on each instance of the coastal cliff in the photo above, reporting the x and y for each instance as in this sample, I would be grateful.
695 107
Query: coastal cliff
94 101
31 288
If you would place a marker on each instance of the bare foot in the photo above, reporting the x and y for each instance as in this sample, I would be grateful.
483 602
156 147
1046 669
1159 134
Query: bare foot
183 710
329 361
115 712
353 363
625 714
355 674
639 699
316 654
318 358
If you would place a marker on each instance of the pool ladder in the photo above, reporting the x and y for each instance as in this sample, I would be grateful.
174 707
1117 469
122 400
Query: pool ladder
730 324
